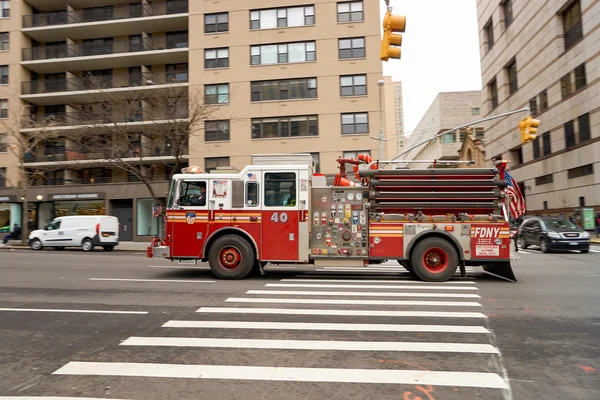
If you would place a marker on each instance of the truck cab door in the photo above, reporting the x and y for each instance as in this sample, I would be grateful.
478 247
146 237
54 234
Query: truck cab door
190 218
280 216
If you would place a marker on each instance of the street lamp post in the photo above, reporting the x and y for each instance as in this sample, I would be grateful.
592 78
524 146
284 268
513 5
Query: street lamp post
381 139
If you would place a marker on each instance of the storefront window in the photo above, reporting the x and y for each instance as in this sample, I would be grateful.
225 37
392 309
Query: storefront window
149 218
66 208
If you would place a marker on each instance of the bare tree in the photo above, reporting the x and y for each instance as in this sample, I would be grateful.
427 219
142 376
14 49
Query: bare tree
153 127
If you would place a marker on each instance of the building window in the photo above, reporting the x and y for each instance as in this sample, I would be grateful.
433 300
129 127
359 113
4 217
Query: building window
211 163
353 123
177 72
569 134
283 53
566 88
214 23
508 13
3 143
351 48
282 17
284 89
3 74
475 111
546 144
517 155
543 101
489 34
584 170
493 93
511 72
2 177
4 108
536 148
533 106
216 58
449 138
350 11
580 78
462 134
279 127
584 128
216 94
572 24
216 131
353 85
544 180
582 201
354 154
545 204
4 41
5 8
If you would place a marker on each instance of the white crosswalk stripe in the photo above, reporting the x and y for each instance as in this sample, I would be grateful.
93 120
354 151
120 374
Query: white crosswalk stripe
439 325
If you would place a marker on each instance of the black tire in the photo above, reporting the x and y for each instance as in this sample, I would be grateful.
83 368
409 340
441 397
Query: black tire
59 248
108 248
544 246
406 265
521 243
585 251
36 244
434 260
231 257
87 245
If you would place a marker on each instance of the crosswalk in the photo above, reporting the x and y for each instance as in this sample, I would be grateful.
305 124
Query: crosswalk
306 336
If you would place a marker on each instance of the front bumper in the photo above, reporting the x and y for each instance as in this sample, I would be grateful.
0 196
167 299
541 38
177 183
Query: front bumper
566 244
158 252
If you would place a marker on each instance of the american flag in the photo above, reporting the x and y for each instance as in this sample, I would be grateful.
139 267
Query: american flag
517 202
251 177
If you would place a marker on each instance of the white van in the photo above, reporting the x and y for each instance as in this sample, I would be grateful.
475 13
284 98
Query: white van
85 231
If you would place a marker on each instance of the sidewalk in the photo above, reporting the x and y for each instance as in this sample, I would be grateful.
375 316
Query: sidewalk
123 246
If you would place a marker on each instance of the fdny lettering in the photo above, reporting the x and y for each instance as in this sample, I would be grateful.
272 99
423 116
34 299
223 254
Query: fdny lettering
483 232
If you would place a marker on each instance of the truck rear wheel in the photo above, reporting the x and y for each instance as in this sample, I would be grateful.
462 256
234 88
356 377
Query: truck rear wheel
406 265
231 257
434 260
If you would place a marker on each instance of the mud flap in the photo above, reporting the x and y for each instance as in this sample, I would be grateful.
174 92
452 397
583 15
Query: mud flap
501 270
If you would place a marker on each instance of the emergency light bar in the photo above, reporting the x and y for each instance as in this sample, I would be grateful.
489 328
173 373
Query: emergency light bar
194 169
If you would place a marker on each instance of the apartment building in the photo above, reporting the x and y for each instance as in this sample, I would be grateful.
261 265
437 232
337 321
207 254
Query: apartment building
394 117
242 77
447 111
545 57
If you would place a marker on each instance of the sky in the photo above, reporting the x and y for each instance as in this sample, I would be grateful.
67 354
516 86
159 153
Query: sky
440 52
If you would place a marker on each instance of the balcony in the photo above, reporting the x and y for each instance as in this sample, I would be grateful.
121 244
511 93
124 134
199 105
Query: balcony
120 20
101 120
81 89
163 49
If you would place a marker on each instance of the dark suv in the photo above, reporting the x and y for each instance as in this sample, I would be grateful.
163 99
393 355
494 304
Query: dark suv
552 233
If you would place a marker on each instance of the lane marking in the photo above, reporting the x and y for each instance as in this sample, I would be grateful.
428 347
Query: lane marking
282 344
364 313
149 280
366 294
315 326
338 375
52 398
375 281
411 287
355 302
57 310
199 268
369 277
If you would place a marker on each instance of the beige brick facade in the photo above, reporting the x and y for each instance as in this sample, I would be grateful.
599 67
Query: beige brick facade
547 49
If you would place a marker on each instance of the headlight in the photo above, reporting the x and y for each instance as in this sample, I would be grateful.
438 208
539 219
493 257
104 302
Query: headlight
553 235
585 235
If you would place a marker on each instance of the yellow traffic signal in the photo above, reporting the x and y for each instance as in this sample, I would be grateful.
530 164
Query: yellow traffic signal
392 24
528 127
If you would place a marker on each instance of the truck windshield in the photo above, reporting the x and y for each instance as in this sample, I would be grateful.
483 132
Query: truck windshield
171 194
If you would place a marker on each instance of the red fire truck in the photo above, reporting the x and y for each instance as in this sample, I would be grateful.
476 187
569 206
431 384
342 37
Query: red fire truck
431 220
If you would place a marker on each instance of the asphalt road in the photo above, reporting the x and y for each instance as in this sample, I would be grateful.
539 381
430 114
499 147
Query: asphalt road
119 326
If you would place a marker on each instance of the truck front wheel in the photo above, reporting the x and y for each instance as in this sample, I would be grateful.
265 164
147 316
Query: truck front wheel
231 257
434 260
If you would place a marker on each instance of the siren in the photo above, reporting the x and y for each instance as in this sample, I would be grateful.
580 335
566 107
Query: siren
194 169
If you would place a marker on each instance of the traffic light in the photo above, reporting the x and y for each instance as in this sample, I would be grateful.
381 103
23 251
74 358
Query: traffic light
528 127
392 24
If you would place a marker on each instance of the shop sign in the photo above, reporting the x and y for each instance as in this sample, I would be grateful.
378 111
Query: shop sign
77 196
8 199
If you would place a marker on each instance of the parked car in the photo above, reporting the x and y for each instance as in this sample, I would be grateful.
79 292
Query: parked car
78 231
552 233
